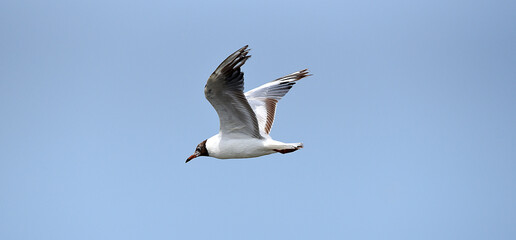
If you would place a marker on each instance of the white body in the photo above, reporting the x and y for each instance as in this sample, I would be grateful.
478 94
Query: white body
233 146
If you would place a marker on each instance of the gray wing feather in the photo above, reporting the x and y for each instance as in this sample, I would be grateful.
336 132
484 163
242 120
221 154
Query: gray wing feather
276 89
263 99
224 90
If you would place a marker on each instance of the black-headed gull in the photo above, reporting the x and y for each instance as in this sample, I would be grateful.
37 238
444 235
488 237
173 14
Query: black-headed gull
245 118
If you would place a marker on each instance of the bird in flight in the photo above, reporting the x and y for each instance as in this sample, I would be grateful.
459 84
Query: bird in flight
245 118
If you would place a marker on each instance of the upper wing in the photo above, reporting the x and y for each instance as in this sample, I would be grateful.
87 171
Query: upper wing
263 99
224 90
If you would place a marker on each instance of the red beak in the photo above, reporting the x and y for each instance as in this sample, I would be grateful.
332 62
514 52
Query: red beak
196 154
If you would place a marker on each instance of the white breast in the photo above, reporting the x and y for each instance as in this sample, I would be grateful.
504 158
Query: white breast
222 147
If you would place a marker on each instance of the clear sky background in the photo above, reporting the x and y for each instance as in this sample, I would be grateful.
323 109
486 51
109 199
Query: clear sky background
409 120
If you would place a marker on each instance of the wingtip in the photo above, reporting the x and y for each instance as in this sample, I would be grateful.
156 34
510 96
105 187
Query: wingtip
295 76
243 49
235 60
302 74
306 72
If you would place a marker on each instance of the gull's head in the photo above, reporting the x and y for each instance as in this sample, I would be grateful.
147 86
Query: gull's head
200 150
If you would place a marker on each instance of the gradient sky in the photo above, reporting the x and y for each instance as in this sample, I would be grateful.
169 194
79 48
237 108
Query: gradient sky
409 120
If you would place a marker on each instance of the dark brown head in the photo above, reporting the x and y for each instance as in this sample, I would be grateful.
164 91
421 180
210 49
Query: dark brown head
199 151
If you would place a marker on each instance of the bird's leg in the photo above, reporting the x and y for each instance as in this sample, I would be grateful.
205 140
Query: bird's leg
283 151
289 150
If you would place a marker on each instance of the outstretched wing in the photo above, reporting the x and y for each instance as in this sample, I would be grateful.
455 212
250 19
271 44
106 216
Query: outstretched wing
263 99
224 90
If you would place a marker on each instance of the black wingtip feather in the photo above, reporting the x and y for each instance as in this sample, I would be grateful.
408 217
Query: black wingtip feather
234 61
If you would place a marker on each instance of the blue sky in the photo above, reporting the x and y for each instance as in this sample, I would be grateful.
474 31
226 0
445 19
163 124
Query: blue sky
408 120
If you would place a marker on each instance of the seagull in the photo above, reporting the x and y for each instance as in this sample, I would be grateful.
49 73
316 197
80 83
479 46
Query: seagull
245 118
